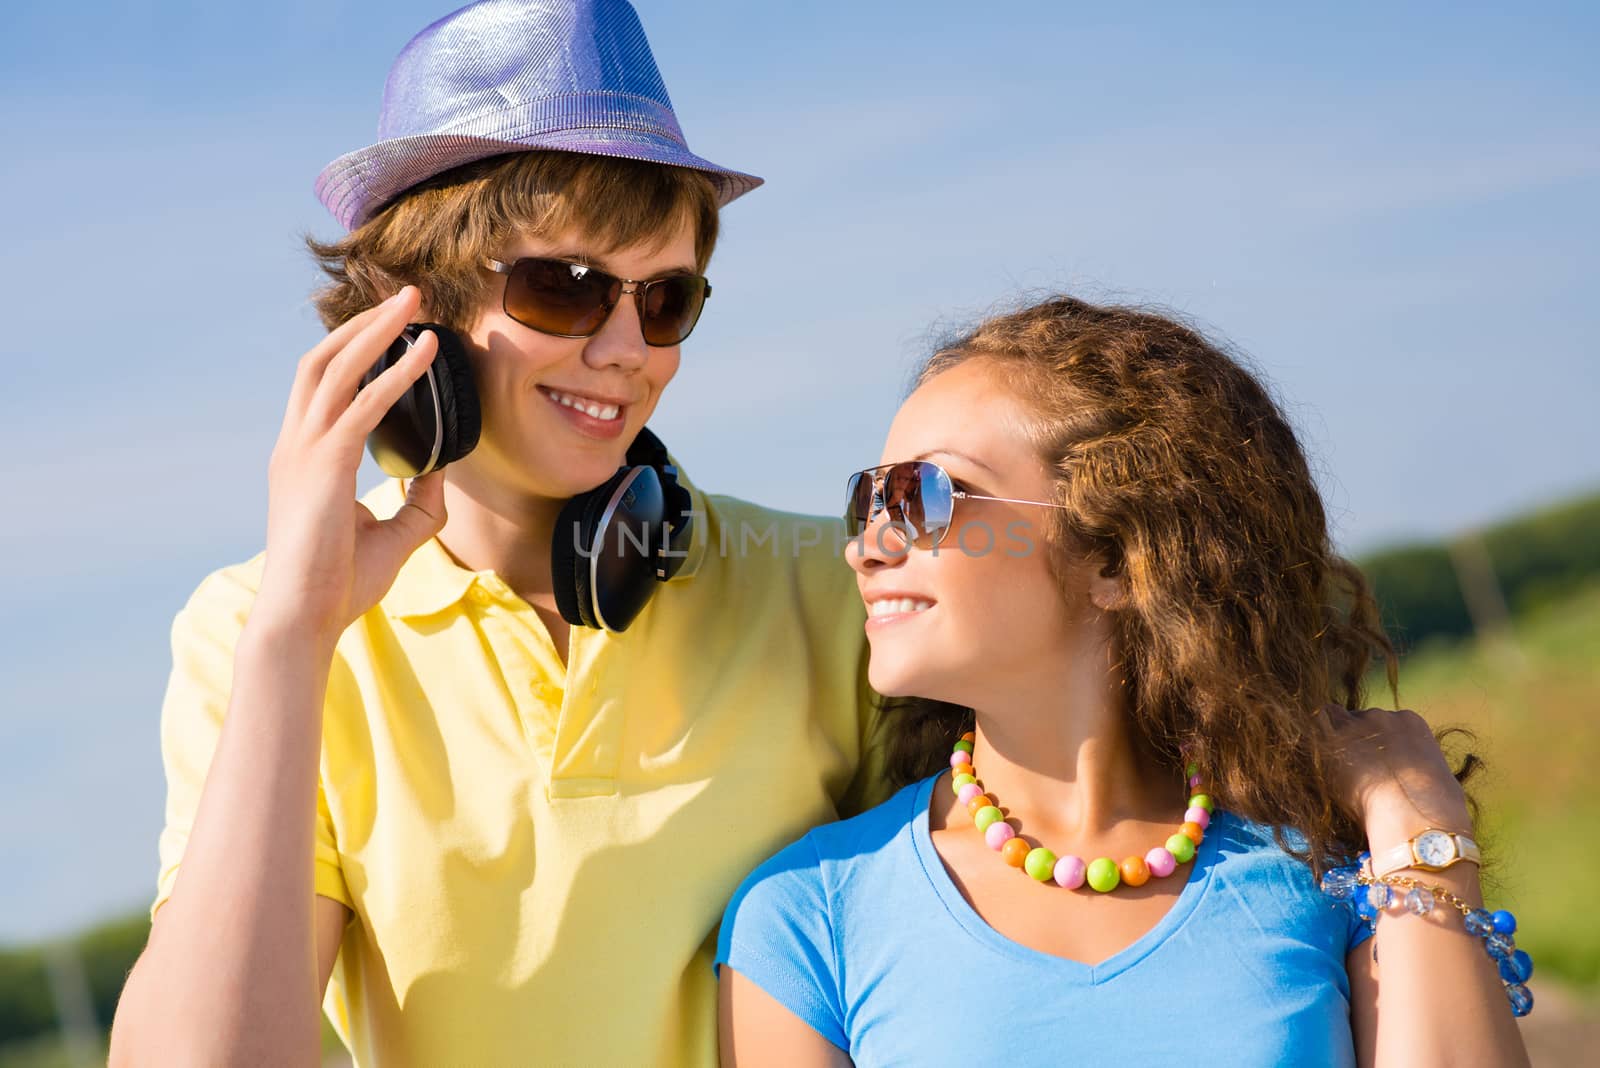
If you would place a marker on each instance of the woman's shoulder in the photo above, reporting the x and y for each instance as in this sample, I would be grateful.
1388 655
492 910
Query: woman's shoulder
865 836
1261 863
844 853
1241 840
1261 867
781 926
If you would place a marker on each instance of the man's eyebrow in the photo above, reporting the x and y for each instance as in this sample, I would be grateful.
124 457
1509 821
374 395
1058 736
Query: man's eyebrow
960 456
589 259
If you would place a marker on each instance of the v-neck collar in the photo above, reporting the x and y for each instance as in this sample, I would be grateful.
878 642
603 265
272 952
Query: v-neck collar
1071 970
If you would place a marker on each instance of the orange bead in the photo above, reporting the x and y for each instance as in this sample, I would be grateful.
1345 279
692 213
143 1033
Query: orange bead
978 802
1015 851
1135 872
969 737
1192 832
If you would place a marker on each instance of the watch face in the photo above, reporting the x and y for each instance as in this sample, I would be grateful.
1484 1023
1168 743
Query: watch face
1435 848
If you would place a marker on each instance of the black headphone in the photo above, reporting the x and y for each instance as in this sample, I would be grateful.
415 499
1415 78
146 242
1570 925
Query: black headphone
612 545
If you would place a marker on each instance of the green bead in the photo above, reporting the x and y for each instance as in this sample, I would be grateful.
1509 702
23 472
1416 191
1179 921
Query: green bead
1041 864
1191 771
1181 848
961 780
1203 801
964 745
1104 875
986 815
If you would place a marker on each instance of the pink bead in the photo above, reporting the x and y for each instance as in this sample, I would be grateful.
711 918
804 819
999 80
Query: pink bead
998 834
1194 780
969 791
1198 815
1070 872
960 757
1161 862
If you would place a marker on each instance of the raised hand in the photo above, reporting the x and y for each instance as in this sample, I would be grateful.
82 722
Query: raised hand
328 558
1394 773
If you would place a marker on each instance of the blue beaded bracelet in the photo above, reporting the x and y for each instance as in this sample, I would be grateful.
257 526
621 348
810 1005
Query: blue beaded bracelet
1494 929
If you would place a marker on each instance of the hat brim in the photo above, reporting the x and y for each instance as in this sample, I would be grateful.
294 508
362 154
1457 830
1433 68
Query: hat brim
356 185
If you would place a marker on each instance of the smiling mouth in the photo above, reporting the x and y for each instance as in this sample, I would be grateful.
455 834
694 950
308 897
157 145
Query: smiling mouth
895 606
588 406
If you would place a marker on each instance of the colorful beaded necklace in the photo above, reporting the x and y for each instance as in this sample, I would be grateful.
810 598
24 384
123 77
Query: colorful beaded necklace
1102 874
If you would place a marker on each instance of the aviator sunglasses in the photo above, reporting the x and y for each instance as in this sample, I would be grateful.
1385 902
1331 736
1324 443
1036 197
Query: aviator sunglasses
917 494
569 299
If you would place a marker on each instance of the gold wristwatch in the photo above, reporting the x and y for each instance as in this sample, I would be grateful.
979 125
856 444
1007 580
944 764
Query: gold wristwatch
1432 850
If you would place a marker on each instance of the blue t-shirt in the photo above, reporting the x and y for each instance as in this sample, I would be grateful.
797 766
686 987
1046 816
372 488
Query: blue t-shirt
858 930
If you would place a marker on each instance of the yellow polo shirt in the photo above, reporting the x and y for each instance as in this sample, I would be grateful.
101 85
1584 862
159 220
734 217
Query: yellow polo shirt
537 857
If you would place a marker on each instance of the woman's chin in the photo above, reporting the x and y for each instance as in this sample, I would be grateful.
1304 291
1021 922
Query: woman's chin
902 682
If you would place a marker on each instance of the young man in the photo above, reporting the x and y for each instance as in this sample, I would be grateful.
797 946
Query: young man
396 773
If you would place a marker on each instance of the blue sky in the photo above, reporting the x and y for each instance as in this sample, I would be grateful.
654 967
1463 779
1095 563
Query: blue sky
1393 214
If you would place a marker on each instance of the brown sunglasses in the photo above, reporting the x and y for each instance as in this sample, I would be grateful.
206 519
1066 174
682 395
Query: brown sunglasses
568 299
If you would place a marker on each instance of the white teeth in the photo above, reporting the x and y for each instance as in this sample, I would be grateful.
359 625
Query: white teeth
896 605
598 411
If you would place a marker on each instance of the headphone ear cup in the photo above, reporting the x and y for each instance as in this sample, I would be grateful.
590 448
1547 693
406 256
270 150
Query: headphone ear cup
648 450
436 421
576 528
458 395
563 554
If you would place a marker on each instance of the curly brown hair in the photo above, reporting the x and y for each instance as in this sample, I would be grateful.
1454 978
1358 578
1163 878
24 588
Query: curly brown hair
437 234
1179 473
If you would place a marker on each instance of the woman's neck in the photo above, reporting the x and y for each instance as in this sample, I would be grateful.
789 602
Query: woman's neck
1057 752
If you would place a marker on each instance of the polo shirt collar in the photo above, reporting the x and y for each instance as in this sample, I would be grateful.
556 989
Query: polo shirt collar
430 581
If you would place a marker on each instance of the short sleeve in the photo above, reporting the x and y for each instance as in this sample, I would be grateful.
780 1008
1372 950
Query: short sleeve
778 933
204 636
1359 930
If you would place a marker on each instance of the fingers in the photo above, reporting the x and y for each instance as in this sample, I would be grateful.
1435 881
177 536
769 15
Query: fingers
367 410
308 374
346 370
423 514
342 372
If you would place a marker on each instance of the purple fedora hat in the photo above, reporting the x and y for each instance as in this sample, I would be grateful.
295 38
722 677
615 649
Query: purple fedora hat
509 76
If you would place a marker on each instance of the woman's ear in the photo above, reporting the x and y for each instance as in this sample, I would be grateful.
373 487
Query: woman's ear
1108 591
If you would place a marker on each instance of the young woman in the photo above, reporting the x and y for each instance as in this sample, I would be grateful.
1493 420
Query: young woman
1097 551
396 771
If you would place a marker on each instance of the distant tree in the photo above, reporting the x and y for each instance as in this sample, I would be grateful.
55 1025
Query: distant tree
26 1008
1417 589
1533 557
108 953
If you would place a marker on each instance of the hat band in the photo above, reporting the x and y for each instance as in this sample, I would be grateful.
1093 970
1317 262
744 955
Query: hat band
555 114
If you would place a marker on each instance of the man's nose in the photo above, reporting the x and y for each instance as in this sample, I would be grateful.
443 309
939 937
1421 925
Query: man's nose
620 341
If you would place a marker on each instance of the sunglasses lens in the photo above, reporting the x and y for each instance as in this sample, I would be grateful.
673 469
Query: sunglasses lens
916 494
857 503
935 502
562 298
671 307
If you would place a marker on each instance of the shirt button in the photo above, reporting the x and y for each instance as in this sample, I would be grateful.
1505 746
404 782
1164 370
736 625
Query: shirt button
479 595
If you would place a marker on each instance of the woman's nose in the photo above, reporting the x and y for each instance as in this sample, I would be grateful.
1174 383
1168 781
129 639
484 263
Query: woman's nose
884 543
